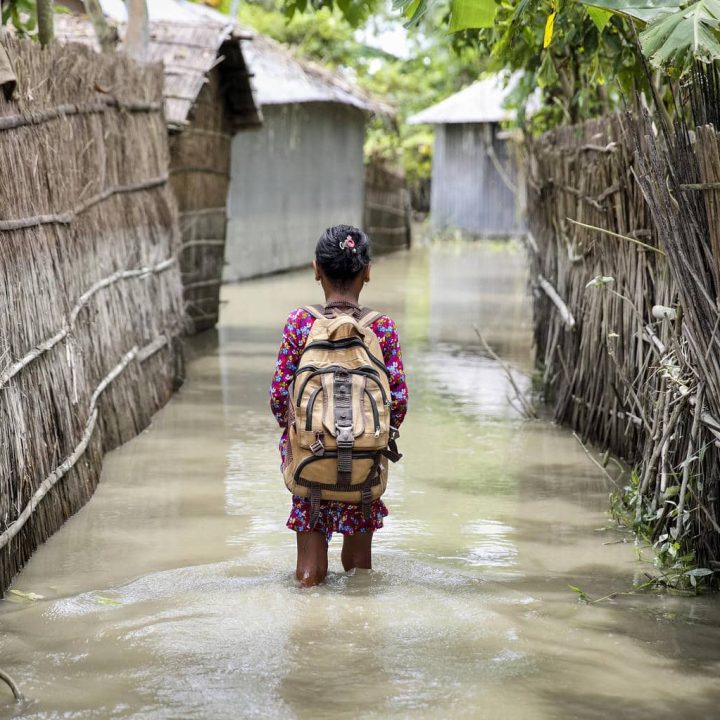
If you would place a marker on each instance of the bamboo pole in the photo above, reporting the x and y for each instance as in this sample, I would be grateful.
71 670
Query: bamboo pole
45 21
559 303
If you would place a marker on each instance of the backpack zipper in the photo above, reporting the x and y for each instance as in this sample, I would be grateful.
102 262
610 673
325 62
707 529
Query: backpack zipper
365 371
330 454
310 408
375 413
343 345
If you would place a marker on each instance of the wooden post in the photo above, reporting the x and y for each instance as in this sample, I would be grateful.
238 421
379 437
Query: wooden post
137 35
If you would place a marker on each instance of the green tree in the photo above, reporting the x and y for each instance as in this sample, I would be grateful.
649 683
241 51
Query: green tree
431 70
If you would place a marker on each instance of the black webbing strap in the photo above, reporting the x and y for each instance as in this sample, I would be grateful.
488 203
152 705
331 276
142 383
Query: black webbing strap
315 496
372 482
342 400
391 452
367 500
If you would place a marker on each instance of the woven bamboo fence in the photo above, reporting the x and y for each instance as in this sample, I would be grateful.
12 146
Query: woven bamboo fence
91 293
626 317
387 208
200 175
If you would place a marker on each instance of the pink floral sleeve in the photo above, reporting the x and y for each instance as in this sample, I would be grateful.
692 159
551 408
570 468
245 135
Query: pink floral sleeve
295 334
387 333
297 329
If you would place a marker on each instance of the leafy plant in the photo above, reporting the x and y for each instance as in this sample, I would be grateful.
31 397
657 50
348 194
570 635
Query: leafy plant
675 39
21 14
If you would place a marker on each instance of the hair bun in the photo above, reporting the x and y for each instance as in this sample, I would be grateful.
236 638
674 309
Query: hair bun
342 252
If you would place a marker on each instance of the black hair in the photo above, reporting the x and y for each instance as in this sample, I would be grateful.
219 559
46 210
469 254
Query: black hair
342 252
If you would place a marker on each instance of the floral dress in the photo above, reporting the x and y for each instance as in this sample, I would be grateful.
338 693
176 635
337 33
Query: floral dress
345 518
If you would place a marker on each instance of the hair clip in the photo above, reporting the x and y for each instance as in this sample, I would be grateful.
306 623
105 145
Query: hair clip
348 242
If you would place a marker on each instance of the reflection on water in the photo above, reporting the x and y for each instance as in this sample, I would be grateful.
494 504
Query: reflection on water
171 595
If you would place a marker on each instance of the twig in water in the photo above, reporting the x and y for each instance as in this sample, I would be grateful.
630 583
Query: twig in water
595 462
529 410
12 685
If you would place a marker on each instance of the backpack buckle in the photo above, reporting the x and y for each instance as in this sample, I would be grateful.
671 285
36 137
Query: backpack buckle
344 437
317 448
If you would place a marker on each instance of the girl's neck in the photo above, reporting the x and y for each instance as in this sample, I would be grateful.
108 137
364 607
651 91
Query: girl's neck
340 298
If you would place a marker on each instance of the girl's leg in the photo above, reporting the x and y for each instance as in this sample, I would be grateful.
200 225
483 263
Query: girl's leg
357 551
312 558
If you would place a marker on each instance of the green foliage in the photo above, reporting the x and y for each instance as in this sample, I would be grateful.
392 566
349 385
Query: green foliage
642 10
675 39
21 14
465 14
588 65
674 561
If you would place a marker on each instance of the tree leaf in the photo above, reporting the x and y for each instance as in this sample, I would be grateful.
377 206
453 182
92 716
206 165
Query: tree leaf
411 8
699 572
678 37
471 14
643 10
600 17
549 27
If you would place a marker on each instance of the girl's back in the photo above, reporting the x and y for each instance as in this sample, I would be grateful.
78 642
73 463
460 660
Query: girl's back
342 267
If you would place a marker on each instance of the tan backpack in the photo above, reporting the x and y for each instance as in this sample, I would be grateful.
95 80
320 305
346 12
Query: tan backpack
339 434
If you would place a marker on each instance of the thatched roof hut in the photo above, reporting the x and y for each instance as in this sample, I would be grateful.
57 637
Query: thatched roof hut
302 170
208 96
92 299
475 185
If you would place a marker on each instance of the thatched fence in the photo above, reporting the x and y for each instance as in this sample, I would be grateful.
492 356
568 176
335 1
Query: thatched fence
200 176
387 208
91 293
626 319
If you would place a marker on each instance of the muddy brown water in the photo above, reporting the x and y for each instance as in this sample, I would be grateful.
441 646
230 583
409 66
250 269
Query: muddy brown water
170 595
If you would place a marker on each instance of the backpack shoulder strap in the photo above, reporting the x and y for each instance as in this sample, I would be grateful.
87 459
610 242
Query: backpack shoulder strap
317 311
367 317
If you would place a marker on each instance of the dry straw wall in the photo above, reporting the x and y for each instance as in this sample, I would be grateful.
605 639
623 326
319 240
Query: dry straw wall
200 176
387 208
626 320
91 296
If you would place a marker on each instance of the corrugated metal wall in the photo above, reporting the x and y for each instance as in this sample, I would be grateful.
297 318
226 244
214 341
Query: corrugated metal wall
468 192
301 172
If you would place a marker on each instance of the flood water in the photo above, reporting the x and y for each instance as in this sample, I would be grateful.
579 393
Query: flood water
171 594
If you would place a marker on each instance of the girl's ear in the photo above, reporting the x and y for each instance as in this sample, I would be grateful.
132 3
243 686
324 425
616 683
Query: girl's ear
366 275
316 270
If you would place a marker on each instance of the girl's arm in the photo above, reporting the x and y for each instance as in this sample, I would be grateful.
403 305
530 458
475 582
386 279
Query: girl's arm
387 333
293 341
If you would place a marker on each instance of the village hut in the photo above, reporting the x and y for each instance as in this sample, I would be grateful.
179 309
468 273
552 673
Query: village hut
208 97
91 295
475 174
299 173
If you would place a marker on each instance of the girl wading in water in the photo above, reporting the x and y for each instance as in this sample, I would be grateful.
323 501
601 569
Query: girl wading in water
339 393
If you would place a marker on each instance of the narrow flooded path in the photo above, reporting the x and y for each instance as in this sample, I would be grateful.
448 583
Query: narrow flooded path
170 595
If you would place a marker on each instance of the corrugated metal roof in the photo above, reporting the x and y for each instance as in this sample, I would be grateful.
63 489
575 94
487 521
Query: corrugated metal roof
281 78
481 102
189 40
